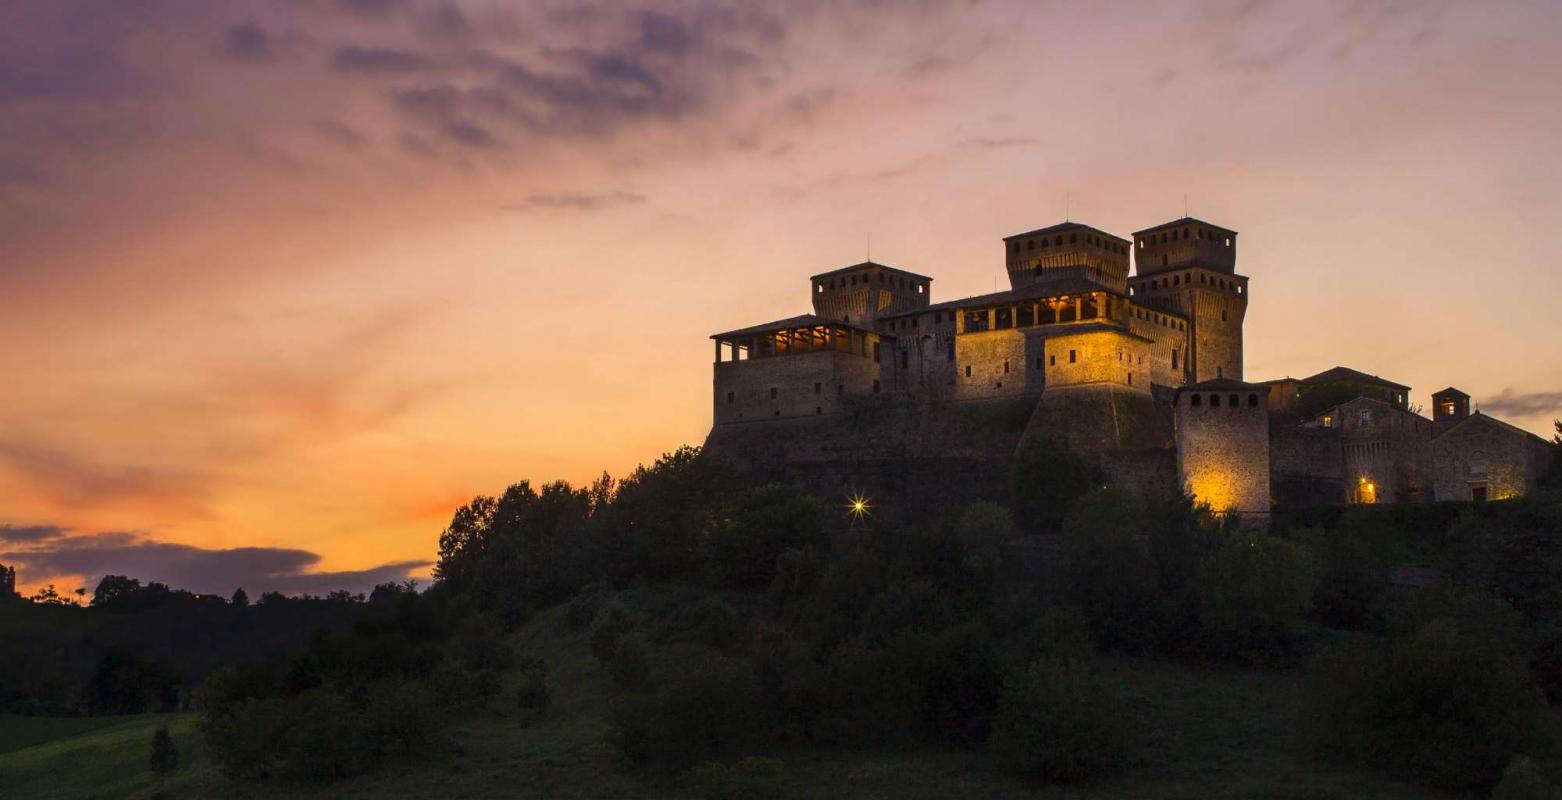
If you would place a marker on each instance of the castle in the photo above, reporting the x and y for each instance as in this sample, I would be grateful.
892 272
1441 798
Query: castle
881 389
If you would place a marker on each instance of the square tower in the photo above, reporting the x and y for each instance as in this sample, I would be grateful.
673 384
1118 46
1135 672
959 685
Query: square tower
858 294
1188 266
1068 250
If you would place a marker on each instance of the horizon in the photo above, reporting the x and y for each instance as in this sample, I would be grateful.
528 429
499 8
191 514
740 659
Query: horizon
286 284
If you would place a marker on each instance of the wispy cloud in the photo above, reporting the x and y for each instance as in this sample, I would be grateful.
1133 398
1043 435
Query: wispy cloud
1524 404
576 202
56 557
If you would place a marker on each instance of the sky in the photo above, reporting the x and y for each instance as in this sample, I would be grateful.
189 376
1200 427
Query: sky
284 282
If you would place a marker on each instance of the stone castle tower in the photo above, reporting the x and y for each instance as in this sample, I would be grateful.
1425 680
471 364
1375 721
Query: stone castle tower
1223 446
1188 266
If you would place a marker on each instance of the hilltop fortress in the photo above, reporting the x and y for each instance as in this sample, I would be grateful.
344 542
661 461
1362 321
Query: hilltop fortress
881 390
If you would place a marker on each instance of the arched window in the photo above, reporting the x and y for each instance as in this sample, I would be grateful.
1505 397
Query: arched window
1214 401
1198 400
1252 401
1235 401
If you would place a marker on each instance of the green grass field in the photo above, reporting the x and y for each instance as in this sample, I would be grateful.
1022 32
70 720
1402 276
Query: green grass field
1206 733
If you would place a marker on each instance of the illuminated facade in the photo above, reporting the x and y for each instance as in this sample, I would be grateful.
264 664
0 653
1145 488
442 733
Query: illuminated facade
1141 372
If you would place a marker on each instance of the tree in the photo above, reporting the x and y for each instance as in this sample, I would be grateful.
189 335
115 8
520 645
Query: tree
49 596
1105 566
1253 595
1047 479
114 590
240 597
165 756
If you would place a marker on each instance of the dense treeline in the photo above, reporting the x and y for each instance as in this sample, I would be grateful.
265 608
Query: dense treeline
140 648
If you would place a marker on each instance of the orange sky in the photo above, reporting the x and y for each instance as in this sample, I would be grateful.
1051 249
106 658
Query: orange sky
281 283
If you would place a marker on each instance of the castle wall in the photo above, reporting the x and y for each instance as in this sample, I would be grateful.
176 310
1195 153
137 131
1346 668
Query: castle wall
1223 451
925 358
999 363
1305 465
1168 347
1481 452
1096 357
795 385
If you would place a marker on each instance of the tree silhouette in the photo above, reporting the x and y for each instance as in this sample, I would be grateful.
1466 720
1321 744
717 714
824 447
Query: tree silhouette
240 597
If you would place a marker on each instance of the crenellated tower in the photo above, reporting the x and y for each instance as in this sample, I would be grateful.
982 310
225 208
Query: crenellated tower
1188 266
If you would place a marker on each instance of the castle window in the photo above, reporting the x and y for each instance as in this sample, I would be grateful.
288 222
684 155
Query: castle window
818 409
1176 280
729 398
1073 356
772 393
1174 358
875 387
1006 368
905 359
1072 238
1328 421
1218 373
951 355
818 387
819 287
1366 417
1252 401
1052 361
968 370
1141 244
1214 401
875 352
1198 400
1228 241
1130 379
1058 242
921 288
1030 245
1223 315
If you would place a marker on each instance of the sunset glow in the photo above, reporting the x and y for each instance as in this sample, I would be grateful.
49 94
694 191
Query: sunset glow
282 284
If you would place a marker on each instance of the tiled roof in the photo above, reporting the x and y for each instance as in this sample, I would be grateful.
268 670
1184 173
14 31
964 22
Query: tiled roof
1348 374
865 265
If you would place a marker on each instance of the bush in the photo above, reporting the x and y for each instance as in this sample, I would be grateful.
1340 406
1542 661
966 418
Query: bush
326 739
1058 722
403 715
709 621
705 704
767 522
1253 596
959 686
1047 478
582 610
1054 632
630 667
752 778
612 624
1434 704
1522 780
479 644
461 692
1352 580
531 694
1105 566
246 741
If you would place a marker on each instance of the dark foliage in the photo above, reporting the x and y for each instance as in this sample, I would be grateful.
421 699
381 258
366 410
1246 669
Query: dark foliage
1059 722
1047 478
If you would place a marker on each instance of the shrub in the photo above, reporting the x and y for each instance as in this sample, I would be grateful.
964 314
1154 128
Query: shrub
1351 578
704 704
630 667
1253 595
752 778
165 756
1054 632
1059 722
532 694
710 621
612 624
582 610
1105 566
403 715
1435 704
767 522
461 692
1047 478
479 644
246 741
326 739
959 686
1522 780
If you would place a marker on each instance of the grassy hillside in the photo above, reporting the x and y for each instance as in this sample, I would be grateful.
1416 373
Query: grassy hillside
1206 733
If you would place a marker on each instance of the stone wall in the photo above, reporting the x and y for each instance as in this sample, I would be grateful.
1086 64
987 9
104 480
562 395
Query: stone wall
1304 464
999 363
794 385
1223 452
1386 447
1482 452
1168 351
1097 356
